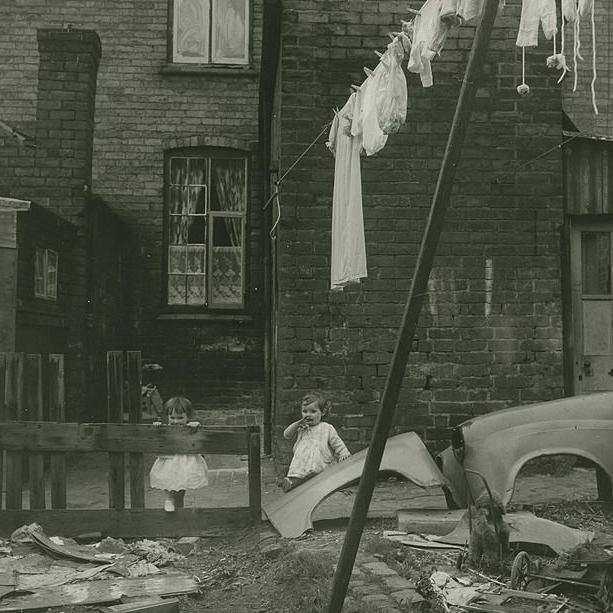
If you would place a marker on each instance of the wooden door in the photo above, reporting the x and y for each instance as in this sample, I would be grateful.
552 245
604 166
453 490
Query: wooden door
592 297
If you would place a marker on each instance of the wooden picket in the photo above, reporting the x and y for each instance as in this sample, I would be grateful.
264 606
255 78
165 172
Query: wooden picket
32 391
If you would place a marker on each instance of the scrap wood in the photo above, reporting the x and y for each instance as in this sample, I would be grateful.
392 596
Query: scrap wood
72 552
151 605
99 592
419 541
7 583
57 575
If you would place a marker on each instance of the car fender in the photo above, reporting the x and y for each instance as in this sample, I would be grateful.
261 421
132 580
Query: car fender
499 456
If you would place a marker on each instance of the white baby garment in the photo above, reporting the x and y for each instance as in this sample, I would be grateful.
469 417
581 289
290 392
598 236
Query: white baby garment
348 261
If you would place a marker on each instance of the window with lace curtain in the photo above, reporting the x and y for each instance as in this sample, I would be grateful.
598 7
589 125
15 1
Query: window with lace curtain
210 31
205 229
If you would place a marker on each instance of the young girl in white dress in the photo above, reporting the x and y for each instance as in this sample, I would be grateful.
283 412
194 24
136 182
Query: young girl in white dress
317 442
176 473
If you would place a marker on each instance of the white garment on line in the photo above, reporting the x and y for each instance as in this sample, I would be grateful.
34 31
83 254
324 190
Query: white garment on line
429 35
533 14
469 9
373 139
348 256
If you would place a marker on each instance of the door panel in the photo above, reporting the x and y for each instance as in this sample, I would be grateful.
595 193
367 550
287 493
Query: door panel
591 260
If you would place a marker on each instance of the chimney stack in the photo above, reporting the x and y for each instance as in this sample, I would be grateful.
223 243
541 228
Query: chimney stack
67 74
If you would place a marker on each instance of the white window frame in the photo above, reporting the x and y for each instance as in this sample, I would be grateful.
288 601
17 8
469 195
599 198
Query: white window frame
211 55
46 267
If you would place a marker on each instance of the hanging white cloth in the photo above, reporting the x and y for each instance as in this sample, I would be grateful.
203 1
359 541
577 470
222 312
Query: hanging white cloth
533 14
348 255
469 9
429 35
392 95
373 139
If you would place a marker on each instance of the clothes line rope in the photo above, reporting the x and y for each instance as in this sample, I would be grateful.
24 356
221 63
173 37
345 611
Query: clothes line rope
293 165
534 159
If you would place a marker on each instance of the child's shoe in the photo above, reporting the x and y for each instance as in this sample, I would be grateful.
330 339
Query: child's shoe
169 505
286 484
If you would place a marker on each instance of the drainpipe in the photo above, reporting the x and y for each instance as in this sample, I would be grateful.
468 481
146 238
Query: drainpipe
271 43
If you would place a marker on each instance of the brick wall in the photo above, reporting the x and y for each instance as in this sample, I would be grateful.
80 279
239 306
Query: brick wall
142 111
490 333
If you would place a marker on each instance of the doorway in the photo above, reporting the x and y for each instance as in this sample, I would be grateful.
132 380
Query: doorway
592 305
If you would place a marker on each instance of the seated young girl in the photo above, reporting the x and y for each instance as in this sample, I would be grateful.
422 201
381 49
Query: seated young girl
176 473
317 444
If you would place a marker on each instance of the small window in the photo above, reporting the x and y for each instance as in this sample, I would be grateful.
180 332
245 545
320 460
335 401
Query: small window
207 203
210 31
45 274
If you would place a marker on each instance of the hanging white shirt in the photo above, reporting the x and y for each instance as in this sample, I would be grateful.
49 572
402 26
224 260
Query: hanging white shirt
348 256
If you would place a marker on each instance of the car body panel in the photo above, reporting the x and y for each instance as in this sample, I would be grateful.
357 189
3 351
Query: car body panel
498 444
404 454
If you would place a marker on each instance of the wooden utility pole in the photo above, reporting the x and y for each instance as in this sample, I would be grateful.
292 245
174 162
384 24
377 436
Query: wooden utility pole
419 287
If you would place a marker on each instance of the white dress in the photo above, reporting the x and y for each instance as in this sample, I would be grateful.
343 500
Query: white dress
315 448
179 472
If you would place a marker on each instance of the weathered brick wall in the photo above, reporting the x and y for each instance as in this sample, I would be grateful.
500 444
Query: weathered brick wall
490 332
141 112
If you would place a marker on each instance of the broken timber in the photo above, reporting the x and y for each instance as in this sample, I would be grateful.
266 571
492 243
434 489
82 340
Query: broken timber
419 288
98 592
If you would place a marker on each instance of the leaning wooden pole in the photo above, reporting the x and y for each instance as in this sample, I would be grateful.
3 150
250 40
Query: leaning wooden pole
419 285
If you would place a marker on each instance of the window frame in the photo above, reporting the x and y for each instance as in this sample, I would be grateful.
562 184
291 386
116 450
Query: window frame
209 62
212 153
46 256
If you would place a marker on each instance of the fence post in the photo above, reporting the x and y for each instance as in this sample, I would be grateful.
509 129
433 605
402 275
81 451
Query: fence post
3 417
14 411
254 474
55 382
33 411
114 397
136 461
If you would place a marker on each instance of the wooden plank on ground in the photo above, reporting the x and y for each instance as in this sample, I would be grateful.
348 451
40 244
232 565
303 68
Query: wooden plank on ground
114 390
255 479
14 408
136 460
141 438
102 591
137 523
151 605
33 411
57 459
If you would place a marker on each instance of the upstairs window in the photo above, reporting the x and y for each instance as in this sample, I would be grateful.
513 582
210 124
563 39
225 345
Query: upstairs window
45 274
207 204
210 31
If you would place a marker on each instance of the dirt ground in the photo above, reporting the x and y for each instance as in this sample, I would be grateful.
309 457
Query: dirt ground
235 576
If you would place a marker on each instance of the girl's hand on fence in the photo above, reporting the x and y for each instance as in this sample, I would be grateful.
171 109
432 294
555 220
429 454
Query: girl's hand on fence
344 456
193 425
157 424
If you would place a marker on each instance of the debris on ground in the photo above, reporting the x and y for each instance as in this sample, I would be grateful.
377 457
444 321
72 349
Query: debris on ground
524 527
38 571
155 552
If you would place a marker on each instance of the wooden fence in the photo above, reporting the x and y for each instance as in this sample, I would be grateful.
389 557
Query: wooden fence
32 391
